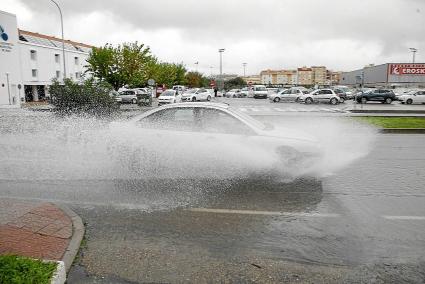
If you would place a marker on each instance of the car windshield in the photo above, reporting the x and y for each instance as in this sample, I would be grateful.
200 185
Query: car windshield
191 91
124 93
168 93
249 119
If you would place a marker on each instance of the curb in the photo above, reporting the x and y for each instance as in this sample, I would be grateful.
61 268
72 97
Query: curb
407 111
77 236
402 130
59 277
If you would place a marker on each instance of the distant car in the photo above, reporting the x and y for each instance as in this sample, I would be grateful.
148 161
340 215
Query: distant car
259 92
179 88
130 95
348 93
203 122
343 96
377 95
169 97
194 95
289 95
245 92
116 96
233 93
320 96
412 97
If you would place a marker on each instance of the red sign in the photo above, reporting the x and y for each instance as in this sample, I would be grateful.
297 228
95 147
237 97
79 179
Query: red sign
212 83
250 83
407 69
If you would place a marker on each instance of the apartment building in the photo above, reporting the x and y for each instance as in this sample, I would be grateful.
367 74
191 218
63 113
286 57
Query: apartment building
32 60
252 79
319 75
278 77
305 76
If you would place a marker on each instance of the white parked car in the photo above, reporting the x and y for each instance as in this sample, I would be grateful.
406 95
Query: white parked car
289 95
194 95
412 97
258 92
220 125
169 97
233 93
321 96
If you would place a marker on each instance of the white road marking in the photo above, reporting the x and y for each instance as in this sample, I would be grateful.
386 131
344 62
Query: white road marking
243 109
418 218
268 213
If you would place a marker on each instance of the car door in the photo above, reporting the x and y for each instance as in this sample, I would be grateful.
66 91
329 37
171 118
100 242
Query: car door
420 97
284 95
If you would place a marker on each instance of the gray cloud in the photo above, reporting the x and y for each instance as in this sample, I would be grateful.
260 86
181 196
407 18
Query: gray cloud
341 34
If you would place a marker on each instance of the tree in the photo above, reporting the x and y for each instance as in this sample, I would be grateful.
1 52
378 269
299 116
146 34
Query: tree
237 82
196 80
126 64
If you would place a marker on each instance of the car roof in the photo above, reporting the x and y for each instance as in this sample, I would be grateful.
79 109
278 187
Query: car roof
197 104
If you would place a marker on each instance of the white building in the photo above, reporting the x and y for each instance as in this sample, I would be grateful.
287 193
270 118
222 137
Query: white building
33 60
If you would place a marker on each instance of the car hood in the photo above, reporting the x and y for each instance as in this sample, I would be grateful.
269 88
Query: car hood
288 133
167 98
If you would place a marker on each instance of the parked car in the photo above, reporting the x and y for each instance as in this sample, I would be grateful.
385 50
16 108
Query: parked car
377 95
412 97
179 88
289 95
116 96
343 96
194 95
169 97
259 92
130 95
234 93
212 93
320 96
245 92
348 93
221 123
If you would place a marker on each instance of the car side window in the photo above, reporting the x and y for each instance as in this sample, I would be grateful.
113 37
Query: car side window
217 121
180 119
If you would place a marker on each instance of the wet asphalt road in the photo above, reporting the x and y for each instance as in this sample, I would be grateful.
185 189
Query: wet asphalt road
364 224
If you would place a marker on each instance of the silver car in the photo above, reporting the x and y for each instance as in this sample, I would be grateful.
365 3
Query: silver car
220 125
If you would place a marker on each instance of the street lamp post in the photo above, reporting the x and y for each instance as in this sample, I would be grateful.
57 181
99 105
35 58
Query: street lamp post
63 41
221 50
197 63
413 50
244 69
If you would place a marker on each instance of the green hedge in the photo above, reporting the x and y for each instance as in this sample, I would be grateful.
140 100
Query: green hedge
21 270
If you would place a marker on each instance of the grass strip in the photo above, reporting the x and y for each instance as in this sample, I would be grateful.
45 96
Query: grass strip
394 122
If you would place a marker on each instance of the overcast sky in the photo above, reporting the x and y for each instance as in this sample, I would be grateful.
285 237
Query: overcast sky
266 34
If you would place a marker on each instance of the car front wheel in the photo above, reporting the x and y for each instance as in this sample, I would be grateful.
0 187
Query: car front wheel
209 98
333 101
388 100
134 101
193 99
409 101
308 101
276 100
364 100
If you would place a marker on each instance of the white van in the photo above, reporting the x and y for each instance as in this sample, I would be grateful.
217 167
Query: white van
258 92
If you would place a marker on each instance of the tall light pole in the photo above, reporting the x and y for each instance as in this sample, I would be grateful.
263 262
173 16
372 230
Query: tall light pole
197 63
244 69
221 50
211 70
63 41
413 50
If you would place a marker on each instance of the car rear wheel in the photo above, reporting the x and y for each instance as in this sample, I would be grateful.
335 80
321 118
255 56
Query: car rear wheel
134 101
409 101
341 100
276 100
364 100
194 99
297 100
388 100
209 98
333 101
308 101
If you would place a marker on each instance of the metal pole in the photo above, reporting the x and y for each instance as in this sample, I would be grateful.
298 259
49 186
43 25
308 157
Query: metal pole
413 50
221 50
63 41
8 88
244 69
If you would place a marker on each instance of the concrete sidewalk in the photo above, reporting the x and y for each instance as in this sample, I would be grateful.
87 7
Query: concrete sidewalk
39 230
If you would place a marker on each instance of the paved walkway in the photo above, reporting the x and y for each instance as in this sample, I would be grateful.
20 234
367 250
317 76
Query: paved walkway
37 230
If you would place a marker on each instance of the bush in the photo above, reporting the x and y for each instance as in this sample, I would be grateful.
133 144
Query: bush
15 269
90 97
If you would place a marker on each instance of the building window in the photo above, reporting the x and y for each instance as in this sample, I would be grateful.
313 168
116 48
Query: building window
57 58
58 74
33 54
76 60
34 73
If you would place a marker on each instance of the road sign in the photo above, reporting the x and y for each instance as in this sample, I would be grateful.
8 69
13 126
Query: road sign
151 82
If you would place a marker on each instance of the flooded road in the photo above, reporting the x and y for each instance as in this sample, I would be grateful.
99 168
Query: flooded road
362 223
